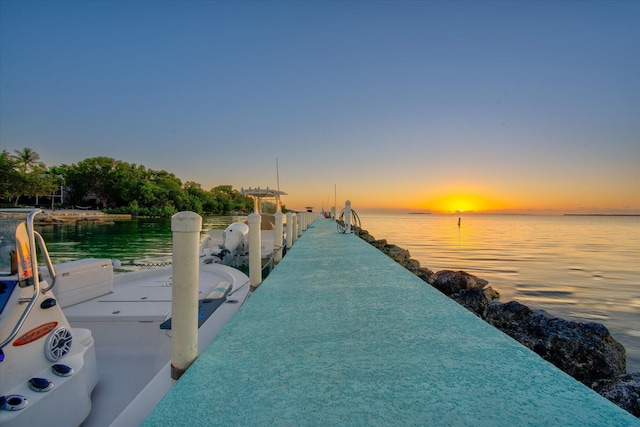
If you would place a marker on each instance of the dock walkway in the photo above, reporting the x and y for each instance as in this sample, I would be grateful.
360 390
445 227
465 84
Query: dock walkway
341 335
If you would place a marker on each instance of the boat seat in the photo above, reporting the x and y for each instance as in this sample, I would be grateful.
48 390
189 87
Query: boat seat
81 280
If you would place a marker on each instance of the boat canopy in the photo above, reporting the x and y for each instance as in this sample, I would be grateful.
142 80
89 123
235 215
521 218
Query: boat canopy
262 192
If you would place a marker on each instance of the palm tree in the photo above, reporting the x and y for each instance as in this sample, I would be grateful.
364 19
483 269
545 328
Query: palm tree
27 159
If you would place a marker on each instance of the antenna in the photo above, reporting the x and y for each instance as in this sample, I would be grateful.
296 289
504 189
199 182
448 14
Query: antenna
277 175
278 185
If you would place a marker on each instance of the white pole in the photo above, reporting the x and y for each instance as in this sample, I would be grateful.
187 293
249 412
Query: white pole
255 251
335 202
294 219
186 228
347 216
279 217
289 230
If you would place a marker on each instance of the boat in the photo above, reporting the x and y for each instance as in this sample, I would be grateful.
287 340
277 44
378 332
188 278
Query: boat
231 245
80 345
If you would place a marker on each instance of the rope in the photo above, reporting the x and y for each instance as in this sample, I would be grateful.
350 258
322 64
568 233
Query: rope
150 262
355 221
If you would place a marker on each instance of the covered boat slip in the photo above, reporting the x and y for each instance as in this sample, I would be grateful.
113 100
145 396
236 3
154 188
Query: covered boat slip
339 334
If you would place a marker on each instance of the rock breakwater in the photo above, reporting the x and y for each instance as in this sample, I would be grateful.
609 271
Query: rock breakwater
586 351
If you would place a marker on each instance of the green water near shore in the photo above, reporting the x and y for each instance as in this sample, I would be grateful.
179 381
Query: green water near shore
125 240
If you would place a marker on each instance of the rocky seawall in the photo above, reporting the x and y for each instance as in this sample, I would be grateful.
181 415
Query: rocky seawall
586 351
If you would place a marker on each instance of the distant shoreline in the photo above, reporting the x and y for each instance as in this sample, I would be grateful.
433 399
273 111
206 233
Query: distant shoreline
570 214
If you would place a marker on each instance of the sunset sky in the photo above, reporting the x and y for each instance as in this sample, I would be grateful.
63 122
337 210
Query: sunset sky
514 106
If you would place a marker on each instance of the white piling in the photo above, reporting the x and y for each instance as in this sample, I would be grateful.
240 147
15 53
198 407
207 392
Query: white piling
294 220
347 216
185 227
289 230
255 250
277 254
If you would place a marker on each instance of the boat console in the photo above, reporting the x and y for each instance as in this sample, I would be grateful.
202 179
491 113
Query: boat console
62 326
45 364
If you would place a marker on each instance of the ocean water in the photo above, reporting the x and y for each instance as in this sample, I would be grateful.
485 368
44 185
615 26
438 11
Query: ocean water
582 268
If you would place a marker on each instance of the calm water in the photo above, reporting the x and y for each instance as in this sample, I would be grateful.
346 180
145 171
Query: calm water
578 268
127 241
584 268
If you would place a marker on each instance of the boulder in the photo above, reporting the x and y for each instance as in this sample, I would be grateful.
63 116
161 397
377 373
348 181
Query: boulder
476 300
586 351
624 391
363 234
413 265
368 238
425 274
396 253
451 282
380 244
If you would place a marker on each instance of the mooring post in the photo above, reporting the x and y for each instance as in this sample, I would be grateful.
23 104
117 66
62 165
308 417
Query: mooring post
347 216
255 251
294 224
278 243
185 227
289 230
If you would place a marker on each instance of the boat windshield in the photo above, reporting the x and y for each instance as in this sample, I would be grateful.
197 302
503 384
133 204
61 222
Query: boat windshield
7 244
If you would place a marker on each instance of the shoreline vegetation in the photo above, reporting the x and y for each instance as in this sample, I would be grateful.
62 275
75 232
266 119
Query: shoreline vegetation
586 351
110 185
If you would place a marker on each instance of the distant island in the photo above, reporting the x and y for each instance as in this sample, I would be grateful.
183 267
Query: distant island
419 213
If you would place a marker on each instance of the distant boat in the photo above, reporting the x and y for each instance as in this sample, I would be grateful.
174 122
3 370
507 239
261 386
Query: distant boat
80 345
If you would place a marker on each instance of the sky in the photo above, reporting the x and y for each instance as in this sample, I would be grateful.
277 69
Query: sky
421 106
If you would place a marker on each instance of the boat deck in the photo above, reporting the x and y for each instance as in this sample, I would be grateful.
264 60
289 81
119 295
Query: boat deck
339 334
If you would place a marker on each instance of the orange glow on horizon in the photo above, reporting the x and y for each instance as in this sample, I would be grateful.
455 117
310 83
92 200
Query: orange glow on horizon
462 203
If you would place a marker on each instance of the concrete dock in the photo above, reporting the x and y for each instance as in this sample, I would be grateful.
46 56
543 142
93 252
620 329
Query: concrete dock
341 335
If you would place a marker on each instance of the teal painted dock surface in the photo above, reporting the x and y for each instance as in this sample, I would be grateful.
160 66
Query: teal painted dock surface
341 335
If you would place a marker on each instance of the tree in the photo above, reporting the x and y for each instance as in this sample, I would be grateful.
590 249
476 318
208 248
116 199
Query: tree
200 200
24 174
119 185
93 176
228 199
27 159
10 179
39 182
